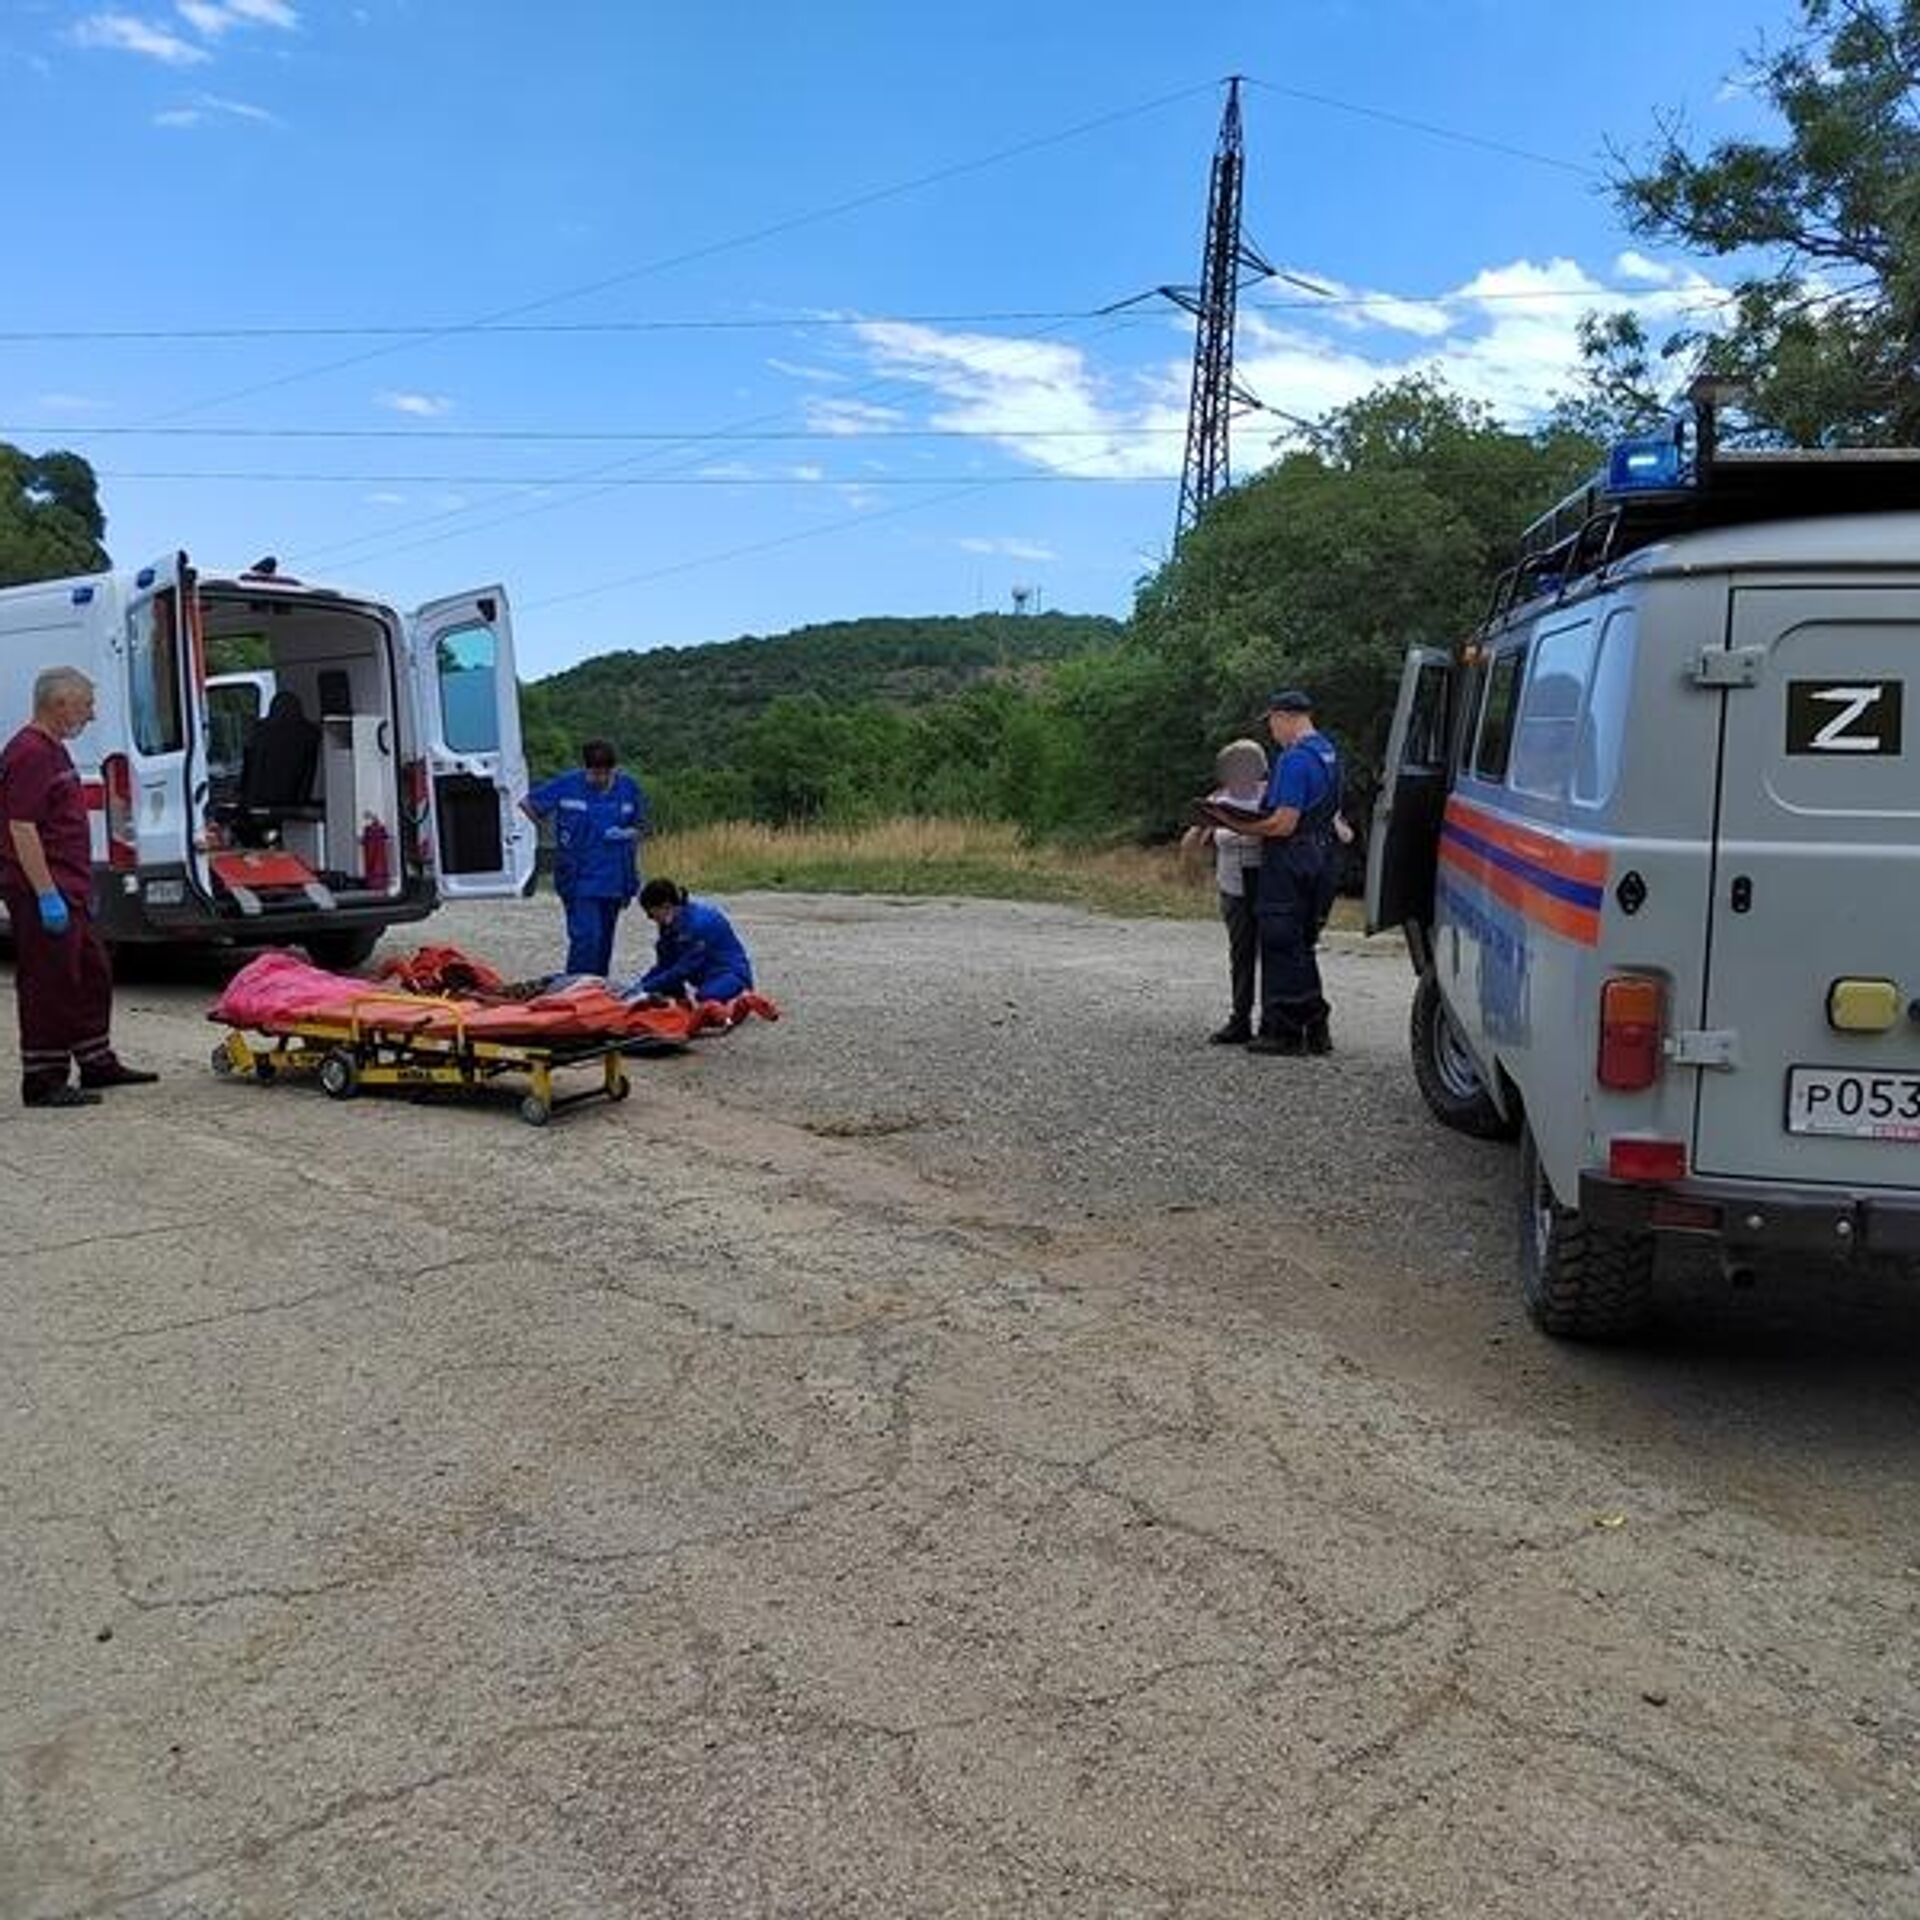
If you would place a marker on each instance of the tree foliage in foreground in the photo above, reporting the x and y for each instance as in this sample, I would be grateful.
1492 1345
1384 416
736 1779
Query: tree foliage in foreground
1825 334
50 518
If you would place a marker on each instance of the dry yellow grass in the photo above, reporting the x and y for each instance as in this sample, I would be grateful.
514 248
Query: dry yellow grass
914 856
985 858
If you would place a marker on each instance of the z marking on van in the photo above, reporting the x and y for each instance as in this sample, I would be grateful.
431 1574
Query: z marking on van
1561 887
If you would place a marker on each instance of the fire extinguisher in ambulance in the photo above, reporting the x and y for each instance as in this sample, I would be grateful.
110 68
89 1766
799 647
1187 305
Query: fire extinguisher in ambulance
373 853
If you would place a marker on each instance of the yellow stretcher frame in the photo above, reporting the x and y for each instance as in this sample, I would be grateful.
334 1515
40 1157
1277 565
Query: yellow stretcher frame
345 1056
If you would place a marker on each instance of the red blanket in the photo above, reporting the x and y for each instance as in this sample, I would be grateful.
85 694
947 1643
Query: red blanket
279 990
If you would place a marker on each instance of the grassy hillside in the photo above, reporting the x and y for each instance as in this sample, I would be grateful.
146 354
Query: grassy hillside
688 707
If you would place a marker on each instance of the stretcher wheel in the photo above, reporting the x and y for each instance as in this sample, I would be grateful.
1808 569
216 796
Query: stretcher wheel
340 1075
535 1111
620 1087
264 1069
222 1061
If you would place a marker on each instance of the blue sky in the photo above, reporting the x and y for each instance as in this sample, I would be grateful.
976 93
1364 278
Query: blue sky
785 245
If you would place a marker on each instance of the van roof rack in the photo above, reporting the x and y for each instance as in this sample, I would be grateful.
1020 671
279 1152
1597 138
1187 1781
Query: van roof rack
1678 480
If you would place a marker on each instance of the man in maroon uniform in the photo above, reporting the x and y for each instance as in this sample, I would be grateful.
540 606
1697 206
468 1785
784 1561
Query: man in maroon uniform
61 972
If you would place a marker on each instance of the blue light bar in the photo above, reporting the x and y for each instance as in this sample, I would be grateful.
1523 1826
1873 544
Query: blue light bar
1646 465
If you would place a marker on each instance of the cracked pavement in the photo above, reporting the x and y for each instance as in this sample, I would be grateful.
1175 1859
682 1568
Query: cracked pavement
897 1466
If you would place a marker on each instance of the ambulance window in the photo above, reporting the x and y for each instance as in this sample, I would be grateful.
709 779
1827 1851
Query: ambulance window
469 703
1603 726
153 676
1496 715
1543 746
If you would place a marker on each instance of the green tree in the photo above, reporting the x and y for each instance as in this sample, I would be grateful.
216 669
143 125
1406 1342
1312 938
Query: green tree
1825 334
50 519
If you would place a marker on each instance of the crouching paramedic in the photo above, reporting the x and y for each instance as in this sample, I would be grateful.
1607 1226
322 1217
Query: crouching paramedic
1297 871
61 972
698 951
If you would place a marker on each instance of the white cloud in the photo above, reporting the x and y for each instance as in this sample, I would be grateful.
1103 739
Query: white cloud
420 406
213 18
1038 399
386 499
806 472
1634 266
849 416
727 470
797 372
68 403
207 104
126 33
1507 337
1013 549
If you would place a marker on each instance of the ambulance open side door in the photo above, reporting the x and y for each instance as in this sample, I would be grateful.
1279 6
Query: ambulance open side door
156 787
468 702
1403 849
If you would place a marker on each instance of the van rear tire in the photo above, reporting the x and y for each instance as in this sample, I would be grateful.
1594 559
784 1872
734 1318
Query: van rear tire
342 950
1580 1281
1445 1073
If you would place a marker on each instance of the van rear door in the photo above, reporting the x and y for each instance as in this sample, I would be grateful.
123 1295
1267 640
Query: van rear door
468 701
1816 885
157 795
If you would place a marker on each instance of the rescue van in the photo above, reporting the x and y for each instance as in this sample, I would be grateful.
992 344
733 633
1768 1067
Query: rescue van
416 777
1653 834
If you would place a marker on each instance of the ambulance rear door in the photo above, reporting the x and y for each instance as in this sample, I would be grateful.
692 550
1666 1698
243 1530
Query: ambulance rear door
1810 1050
468 702
156 784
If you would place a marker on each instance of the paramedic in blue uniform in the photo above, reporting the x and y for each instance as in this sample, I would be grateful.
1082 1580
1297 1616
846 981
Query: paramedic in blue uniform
60 969
599 818
698 953
1297 873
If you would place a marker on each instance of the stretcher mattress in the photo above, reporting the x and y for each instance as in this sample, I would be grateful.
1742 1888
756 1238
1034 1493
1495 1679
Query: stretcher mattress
278 991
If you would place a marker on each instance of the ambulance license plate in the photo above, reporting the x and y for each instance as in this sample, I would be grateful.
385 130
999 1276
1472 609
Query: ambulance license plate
1860 1106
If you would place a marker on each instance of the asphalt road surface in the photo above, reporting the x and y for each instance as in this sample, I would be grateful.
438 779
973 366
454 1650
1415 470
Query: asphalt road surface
969 1449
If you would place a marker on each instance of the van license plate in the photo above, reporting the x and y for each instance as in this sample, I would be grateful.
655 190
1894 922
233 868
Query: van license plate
1862 1106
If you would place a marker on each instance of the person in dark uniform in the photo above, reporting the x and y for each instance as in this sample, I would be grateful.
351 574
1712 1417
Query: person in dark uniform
1300 832
61 974
599 818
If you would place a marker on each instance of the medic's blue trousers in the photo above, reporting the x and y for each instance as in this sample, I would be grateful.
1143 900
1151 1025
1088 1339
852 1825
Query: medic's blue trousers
591 924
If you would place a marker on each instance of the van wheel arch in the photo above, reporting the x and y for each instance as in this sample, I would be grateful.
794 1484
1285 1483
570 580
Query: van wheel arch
1446 1075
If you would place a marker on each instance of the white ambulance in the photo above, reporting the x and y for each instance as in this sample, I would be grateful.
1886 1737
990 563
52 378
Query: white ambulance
416 784
1654 837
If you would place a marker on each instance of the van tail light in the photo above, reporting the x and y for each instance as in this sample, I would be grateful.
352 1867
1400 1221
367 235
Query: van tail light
416 843
1630 1023
1631 1158
123 845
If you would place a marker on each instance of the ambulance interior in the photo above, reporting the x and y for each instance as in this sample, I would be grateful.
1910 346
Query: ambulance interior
314 790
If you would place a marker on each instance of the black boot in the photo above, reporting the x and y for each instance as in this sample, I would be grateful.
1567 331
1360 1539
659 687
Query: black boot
1320 1036
1236 1033
1290 1044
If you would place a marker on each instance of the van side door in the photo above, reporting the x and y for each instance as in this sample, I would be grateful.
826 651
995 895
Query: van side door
467 700
156 789
1403 850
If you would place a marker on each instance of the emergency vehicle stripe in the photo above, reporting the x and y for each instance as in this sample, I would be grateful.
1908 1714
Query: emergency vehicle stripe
1559 887
1537 850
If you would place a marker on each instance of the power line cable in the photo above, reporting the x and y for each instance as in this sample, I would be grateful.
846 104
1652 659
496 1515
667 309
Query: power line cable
251 476
381 541
793 224
423 330
1412 125
545 435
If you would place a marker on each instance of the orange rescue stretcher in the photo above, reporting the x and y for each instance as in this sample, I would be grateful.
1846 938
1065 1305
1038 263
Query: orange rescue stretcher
401 1049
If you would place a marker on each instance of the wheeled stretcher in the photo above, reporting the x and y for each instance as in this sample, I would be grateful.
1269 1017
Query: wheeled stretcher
420 1041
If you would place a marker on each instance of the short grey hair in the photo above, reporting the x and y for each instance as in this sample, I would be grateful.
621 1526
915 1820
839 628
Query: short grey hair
55 684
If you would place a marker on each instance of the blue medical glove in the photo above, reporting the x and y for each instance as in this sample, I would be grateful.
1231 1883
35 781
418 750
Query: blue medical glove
54 914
